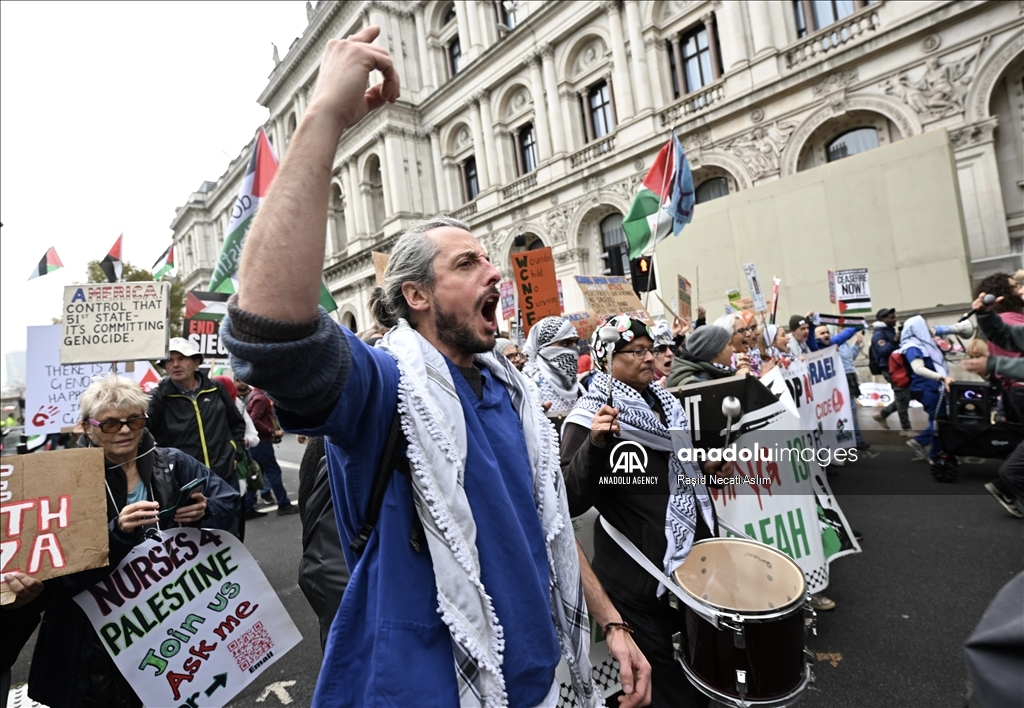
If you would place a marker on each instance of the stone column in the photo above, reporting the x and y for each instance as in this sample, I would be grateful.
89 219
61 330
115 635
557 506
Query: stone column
473 15
366 192
651 45
356 200
434 50
711 26
394 173
761 31
427 79
731 35
378 16
351 200
488 130
443 202
502 153
553 109
588 118
520 165
488 23
479 149
465 34
642 76
624 96
569 106
385 175
394 43
540 115
449 170
677 54
415 182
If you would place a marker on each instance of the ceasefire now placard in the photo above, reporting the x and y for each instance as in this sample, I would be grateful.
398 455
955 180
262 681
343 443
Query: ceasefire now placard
115 322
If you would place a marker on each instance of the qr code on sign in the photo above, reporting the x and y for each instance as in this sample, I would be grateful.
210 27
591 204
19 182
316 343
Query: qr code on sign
252 646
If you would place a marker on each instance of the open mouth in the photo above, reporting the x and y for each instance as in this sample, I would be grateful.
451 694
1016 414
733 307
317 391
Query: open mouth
489 309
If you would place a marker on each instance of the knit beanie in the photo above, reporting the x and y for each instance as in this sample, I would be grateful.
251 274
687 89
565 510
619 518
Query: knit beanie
705 342
796 321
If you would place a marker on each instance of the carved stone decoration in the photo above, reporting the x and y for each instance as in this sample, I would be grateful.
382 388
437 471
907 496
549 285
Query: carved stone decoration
554 200
761 148
973 134
694 144
930 43
835 82
941 89
592 183
557 222
626 189
672 9
520 100
462 138
590 55
576 255
757 115
638 164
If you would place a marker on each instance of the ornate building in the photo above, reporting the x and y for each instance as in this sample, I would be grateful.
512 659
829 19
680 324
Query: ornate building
535 121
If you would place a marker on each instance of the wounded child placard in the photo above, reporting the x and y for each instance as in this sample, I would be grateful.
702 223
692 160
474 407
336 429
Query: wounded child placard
189 618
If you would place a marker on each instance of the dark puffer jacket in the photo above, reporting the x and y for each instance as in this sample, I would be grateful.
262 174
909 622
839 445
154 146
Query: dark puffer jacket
209 427
70 668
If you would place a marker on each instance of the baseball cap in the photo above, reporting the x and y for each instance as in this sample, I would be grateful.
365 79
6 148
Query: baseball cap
884 312
185 348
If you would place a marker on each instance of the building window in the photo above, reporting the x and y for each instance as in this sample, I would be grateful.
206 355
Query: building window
712 189
598 111
616 248
454 54
470 185
813 15
526 144
851 143
506 16
694 59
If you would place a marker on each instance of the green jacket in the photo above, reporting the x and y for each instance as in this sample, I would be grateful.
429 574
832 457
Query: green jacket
687 370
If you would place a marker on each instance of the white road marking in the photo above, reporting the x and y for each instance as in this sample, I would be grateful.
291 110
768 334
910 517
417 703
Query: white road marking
278 689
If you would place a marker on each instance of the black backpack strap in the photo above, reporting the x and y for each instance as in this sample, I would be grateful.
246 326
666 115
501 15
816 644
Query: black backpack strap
380 485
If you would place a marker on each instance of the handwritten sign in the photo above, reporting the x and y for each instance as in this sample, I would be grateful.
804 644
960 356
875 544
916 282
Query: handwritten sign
189 616
115 322
508 299
585 323
611 295
53 513
538 286
685 298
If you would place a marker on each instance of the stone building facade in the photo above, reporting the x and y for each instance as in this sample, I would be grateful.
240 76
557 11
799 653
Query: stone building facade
536 121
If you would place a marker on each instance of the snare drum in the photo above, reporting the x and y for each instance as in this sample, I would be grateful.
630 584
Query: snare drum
756 656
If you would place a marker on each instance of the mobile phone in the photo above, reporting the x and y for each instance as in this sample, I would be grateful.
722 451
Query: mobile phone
184 497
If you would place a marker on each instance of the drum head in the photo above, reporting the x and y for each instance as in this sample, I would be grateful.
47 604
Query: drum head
740 575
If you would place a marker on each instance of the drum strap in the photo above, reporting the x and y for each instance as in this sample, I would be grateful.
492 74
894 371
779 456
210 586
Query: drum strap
645 563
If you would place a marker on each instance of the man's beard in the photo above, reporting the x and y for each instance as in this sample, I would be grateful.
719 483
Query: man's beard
458 335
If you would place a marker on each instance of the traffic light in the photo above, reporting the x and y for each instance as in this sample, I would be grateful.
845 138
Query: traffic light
643 275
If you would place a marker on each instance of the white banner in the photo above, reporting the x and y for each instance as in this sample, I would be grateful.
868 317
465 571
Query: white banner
115 322
822 397
875 395
754 283
189 617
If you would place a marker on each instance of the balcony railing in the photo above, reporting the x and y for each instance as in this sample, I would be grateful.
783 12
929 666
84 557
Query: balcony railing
833 37
519 186
593 151
464 212
693 103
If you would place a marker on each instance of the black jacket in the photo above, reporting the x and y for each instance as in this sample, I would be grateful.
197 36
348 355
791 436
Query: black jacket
69 662
209 428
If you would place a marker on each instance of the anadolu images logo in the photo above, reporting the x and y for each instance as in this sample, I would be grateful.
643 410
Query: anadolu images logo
629 457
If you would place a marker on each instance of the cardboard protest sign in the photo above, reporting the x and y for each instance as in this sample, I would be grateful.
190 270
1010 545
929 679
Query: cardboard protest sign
685 299
853 291
538 287
52 390
507 290
186 613
204 312
756 292
585 323
380 264
611 295
115 322
53 512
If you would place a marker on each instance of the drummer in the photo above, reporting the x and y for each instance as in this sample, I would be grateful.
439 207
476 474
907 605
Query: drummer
663 521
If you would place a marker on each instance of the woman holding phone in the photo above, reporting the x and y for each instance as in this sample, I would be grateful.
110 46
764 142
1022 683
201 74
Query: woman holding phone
70 667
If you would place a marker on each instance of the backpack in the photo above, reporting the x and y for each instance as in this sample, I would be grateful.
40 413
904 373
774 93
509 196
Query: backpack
899 370
873 366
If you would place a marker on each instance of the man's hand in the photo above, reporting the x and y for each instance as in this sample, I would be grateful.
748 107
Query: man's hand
680 325
344 72
604 425
634 669
977 366
25 588
980 306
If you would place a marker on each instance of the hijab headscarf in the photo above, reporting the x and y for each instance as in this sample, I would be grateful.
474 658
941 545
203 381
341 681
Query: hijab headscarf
916 335
553 368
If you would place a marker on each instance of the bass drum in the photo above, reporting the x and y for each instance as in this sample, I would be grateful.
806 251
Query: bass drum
756 656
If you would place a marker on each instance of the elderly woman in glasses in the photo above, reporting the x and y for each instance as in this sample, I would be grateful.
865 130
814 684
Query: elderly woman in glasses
621 422
70 667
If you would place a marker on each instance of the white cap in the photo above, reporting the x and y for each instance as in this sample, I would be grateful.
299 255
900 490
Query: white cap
184 347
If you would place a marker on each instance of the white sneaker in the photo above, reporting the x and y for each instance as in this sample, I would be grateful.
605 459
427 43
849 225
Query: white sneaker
1008 502
878 418
918 449
908 433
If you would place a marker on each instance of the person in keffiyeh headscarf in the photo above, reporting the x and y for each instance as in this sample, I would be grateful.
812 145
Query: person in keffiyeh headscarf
552 359
662 520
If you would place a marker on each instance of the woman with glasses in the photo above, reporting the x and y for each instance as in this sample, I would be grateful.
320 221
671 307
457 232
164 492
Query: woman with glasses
70 667
552 361
511 352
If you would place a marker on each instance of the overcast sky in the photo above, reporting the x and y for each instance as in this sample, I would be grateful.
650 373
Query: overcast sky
111 115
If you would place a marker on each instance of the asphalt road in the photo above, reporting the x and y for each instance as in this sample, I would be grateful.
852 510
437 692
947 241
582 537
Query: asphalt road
934 556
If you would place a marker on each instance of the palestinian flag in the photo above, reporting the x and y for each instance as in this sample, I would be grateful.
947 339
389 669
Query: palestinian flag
665 200
111 263
164 264
47 264
200 305
255 186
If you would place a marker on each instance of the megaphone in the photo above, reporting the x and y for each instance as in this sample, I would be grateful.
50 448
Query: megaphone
963 329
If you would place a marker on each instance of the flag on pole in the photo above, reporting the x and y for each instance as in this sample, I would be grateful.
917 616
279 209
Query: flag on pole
47 264
665 200
164 264
111 263
255 185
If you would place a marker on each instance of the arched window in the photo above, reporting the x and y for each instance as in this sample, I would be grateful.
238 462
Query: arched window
851 143
712 189
349 320
616 248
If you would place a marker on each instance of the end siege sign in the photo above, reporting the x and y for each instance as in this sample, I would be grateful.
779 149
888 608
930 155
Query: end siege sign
115 322
53 514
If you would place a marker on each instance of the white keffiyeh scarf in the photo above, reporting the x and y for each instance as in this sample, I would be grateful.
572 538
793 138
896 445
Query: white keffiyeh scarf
553 368
638 422
434 425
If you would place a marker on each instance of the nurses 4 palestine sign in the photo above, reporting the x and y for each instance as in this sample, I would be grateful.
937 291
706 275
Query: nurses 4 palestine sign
115 322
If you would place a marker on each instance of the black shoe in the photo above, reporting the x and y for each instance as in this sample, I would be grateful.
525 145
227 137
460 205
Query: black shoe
267 498
857 535
287 510
253 514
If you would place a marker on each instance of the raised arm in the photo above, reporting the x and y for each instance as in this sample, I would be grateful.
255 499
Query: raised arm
283 258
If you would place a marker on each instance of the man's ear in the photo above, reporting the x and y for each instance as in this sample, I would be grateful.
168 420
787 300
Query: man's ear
416 296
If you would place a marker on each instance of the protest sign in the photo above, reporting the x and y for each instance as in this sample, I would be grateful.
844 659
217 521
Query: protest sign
52 390
189 612
685 300
832 287
204 312
380 264
538 287
54 514
610 295
508 299
115 322
756 292
732 303
145 376
852 291
875 395
585 323
822 397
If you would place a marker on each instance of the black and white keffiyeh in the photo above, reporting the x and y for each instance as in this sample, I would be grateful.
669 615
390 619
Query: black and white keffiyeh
553 368
434 425
638 422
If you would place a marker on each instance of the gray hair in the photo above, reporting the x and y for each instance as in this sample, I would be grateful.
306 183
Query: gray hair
122 394
727 322
412 260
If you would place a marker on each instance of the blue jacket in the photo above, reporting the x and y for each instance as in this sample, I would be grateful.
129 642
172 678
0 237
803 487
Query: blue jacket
883 344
